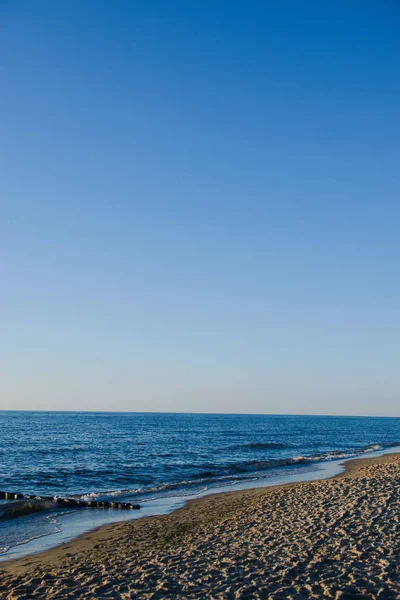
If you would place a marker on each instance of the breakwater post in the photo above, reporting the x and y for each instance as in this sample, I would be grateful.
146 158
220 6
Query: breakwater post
70 502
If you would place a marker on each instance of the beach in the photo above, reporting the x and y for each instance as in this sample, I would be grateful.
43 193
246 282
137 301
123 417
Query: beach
335 538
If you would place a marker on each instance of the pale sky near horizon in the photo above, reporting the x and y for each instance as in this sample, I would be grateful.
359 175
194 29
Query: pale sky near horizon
200 206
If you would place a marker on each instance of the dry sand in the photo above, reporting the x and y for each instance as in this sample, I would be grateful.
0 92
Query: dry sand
338 538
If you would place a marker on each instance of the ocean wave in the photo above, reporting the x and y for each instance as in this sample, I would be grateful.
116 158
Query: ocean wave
265 445
162 455
22 508
248 470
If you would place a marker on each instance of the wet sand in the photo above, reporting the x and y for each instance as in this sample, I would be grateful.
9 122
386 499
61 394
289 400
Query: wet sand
336 538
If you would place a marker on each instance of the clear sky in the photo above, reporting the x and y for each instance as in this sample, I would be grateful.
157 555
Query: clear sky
200 206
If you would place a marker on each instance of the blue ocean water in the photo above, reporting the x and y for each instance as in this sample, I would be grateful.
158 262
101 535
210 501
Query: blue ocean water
144 457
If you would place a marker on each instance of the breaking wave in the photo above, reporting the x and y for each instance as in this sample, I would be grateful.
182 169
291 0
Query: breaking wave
229 474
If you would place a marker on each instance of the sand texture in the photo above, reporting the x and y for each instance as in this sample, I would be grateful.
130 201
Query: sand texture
338 538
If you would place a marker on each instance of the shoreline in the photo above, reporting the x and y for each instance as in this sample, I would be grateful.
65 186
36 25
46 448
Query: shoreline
93 534
124 543
79 524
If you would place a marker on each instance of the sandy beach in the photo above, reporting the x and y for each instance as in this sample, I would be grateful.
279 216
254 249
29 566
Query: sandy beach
337 538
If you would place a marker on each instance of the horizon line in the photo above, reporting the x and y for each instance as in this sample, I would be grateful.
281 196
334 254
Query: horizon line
140 412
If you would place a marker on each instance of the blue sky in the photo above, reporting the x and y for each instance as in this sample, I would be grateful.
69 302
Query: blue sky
200 206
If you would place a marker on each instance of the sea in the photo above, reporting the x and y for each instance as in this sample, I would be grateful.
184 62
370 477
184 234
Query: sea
160 460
